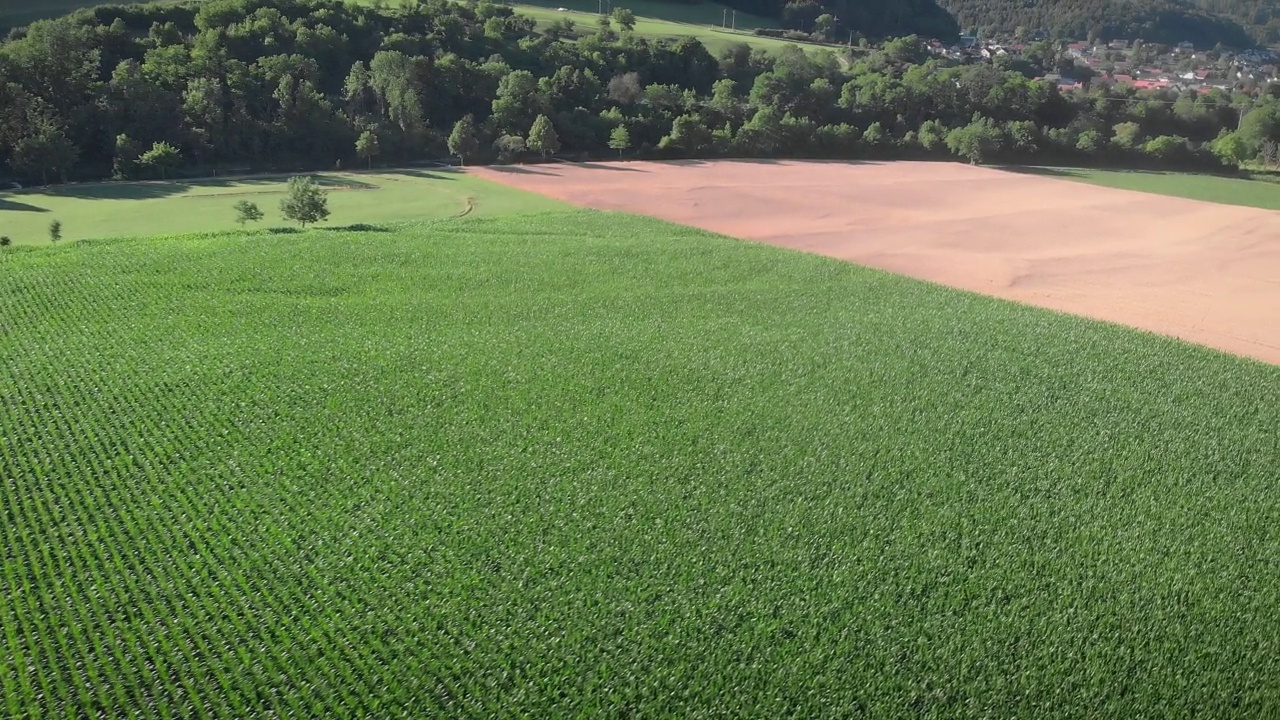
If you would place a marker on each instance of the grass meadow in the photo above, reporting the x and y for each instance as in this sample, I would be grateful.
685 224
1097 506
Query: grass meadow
583 464
16 13
1260 190
656 19
115 209
714 37
698 13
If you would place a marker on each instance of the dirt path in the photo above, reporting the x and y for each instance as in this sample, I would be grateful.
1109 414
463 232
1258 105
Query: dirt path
1206 273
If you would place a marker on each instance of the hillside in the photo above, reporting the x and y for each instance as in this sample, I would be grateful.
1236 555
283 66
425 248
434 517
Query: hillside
874 18
1236 23
283 85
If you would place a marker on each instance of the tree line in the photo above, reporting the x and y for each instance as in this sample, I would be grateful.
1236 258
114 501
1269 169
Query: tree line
153 91
1234 23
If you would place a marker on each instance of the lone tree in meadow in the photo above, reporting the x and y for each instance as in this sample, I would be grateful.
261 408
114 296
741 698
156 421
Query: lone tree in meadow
161 156
5 241
542 137
305 202
620 139
625 19
55 230
462 141
247 212
367 146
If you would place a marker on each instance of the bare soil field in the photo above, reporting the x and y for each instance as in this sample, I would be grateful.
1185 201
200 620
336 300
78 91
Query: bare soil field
1206 273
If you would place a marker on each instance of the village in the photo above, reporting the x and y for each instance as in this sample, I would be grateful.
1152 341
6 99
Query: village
1131 63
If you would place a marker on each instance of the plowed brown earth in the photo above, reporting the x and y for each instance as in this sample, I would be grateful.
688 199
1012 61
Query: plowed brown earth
1202 272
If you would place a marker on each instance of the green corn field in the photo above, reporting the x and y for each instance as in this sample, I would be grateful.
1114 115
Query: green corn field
580 464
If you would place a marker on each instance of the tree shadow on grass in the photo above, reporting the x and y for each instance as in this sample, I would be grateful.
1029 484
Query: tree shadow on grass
357 227
345 182
116 191
1058 172
14 205
155 189
323 179
441 174
1082 173
518 170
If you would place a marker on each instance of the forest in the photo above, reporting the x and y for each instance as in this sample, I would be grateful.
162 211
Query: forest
245 85
1206 23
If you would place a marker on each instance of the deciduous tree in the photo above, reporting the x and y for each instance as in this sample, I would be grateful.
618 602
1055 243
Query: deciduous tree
624 18
542 137
1232 148
824 26
45 151
508 147
1126 135
162 157
305 202
367 146
620 139
462 141
626 88
977 141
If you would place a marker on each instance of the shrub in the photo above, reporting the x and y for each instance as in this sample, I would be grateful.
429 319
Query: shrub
247 212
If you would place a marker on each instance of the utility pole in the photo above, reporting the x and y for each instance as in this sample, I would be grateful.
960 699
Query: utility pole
735 20
724 17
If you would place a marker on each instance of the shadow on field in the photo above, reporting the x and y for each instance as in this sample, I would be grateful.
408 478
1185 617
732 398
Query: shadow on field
325 180
607 166
154 189
518 170
357 227
694 162
1070 172
424 174
346 182
1047 171
116 191
6 204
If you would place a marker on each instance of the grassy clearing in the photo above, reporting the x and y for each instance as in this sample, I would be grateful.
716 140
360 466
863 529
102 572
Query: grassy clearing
710 34
1260 192
586 464
704 13
16 13
149 208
